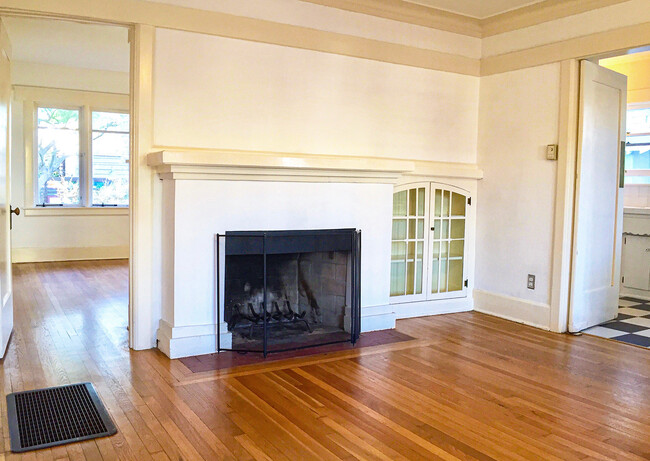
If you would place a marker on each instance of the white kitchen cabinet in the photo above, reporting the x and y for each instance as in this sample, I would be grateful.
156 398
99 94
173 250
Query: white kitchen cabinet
635 269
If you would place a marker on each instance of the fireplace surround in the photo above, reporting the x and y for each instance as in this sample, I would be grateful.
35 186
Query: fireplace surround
289 289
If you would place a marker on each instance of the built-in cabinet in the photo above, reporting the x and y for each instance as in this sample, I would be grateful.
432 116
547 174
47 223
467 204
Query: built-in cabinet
429 242
635 261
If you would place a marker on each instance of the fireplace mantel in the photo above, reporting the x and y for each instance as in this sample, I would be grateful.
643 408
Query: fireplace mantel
263 166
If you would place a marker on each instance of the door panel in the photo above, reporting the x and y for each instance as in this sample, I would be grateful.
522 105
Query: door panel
636 262
7 314
408 246
599 200
447 273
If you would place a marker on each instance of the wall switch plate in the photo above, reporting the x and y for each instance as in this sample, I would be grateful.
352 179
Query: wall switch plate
531 282
551 152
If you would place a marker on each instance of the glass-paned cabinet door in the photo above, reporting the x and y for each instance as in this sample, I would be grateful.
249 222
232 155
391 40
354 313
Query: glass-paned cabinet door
447 241
408 245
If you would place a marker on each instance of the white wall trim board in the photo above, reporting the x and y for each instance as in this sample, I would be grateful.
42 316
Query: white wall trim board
432 307
515 309
248 165
77 211
32 255
564 195
634 293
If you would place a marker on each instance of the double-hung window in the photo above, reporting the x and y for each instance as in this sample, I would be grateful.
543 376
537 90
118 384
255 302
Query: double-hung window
81 156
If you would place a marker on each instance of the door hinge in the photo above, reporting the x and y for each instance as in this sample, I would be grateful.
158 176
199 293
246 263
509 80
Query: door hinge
469 200
466 283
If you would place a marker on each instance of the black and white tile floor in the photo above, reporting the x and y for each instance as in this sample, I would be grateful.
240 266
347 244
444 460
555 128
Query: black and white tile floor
632 325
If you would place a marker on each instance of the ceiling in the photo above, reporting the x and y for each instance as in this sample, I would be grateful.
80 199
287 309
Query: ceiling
69 44
476 8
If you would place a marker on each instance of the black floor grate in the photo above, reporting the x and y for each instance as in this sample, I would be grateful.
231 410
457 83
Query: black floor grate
56 415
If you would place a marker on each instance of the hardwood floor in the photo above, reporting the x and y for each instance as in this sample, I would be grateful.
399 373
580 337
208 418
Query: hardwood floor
470 387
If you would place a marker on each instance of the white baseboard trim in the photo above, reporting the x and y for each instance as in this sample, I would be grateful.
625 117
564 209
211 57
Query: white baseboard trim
34 255
190 340
634 293
516 309
186 341
432 307
374 318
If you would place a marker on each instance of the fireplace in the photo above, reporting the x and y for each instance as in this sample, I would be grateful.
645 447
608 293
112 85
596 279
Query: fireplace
285 290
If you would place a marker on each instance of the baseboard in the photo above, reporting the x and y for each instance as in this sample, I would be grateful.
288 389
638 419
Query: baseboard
516 309
634 293
374 318
432 307
191 340
33 255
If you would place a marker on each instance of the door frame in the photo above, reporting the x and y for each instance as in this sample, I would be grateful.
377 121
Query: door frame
141 178
565 193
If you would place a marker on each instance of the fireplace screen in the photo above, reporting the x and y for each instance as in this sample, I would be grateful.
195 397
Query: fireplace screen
285 290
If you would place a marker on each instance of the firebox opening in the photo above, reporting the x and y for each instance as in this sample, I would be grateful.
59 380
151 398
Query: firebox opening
290 289
305 298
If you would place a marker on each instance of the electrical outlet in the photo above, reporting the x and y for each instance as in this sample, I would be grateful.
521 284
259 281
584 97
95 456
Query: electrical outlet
551 152
531 282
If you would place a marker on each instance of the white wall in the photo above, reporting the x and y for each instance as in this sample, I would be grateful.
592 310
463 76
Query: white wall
39 238
213 92
518 117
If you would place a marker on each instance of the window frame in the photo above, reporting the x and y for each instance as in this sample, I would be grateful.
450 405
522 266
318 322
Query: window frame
86 102
89 190
82 175
636 172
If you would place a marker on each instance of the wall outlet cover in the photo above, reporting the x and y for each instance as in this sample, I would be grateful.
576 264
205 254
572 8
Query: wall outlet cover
551 152
531 282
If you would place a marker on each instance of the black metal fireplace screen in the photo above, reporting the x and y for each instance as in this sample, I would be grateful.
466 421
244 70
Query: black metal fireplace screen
285 290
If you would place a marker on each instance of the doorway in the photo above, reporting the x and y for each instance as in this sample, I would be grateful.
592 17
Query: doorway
70 165
630 320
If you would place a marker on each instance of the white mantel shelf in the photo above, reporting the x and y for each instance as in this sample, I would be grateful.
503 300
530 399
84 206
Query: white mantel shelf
262 166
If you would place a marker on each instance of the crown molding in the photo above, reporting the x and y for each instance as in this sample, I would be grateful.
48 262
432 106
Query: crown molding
411 13
538 13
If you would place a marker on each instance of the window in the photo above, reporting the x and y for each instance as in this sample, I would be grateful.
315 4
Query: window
428 247
110 158
68 177
637 146
58 156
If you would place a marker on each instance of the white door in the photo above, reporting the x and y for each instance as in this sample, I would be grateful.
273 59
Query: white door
7 309
598 225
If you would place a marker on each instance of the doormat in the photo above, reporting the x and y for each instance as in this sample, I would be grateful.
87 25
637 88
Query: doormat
44 418
228 359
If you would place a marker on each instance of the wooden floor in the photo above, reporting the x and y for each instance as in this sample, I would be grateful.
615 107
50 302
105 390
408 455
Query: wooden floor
470 387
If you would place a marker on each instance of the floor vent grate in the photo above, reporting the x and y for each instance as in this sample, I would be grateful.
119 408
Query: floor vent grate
55 416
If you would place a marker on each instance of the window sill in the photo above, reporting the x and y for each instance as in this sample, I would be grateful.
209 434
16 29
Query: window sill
77 211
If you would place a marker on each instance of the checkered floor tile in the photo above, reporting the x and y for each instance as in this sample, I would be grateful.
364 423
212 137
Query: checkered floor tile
631 326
